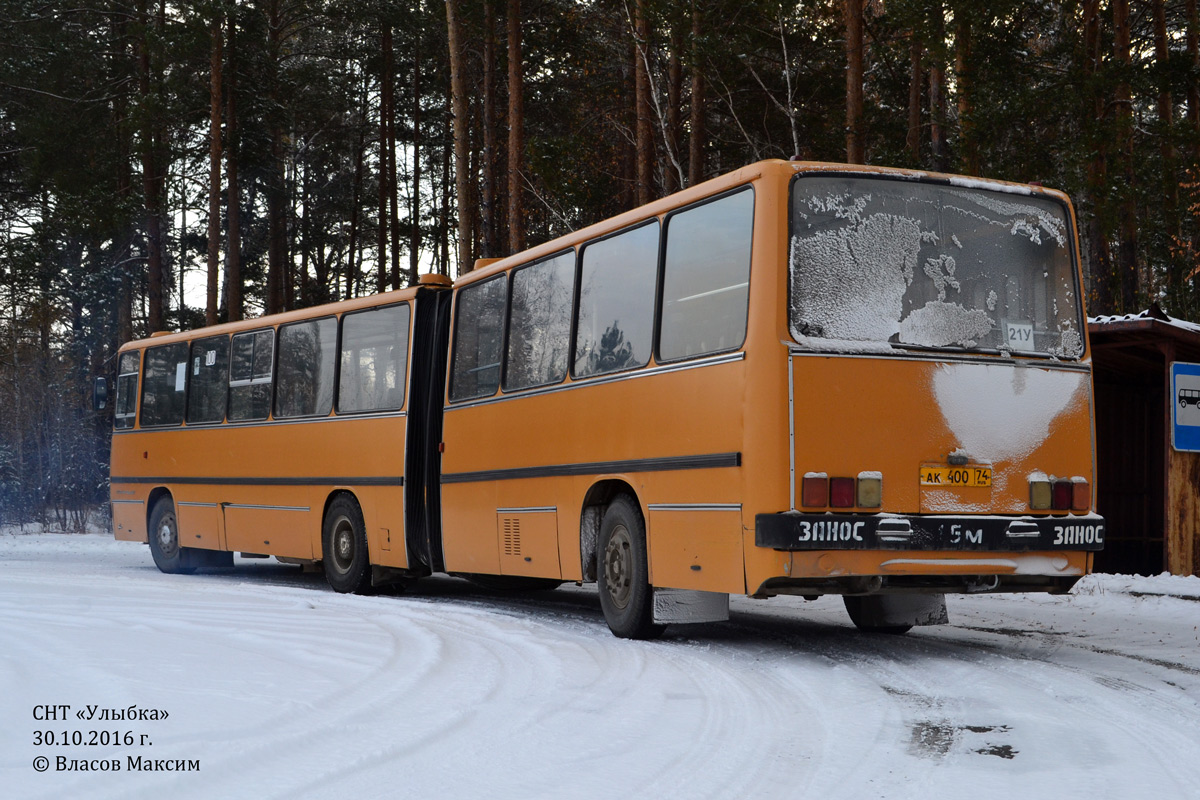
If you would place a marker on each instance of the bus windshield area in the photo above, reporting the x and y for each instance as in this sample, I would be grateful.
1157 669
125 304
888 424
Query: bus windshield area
884 263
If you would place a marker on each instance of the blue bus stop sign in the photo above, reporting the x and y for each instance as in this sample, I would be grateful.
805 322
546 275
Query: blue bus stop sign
1185 406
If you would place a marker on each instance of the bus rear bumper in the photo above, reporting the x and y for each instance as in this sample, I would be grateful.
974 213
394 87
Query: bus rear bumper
795 531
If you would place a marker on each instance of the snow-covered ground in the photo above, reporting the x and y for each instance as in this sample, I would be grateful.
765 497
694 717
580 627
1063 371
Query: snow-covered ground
278 687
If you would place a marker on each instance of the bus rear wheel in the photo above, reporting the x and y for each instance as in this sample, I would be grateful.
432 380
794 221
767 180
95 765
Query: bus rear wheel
623 575
344 544
163 537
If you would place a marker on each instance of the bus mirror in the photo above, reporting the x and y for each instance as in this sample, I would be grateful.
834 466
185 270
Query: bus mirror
100 394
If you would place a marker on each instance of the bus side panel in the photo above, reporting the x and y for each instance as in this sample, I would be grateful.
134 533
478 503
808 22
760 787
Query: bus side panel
563 442
272 480
199 524
129 520
697 549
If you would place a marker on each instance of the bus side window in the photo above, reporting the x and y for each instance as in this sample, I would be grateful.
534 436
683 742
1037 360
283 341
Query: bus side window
250 365
478 335
306 362
706 277
539 327
125 411
209 369
374 359
616 302
164 386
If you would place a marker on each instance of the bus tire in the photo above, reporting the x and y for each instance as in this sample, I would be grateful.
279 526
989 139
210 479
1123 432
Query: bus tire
623 572
163 537
344 547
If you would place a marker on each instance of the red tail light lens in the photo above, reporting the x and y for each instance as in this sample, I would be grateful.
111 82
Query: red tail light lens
1064 491
841 492
815 491
1081 497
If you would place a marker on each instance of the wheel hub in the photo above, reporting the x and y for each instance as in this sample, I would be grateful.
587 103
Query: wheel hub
618 566
343 545
167 540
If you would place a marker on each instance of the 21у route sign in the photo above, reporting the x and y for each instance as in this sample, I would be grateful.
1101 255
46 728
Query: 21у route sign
1185 406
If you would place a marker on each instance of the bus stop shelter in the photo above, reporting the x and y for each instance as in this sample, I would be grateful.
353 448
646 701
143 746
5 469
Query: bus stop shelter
1148 491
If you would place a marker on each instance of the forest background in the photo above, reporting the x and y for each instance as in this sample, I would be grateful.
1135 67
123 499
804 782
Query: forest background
170 165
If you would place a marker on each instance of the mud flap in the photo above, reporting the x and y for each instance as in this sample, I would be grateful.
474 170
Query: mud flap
897 610
681 606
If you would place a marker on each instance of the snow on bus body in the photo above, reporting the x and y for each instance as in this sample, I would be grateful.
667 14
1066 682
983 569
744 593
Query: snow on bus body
934 326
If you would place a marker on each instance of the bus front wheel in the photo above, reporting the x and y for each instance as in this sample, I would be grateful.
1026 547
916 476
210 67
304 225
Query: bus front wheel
344 542
623 575
163 538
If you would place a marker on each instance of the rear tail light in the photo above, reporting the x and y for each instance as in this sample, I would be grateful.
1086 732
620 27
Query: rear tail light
1040 493
818 490
1081 495
1062 493
841 492
870 490
815 490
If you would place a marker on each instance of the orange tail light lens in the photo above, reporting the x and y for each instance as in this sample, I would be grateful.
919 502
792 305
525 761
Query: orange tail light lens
814 491
1081 495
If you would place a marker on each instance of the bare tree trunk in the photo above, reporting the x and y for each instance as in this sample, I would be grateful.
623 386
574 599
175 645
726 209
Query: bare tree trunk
1127 265
385 89
414 231
389 71
152 175
852 16
674 109
696 132
964 79
462 143
1097 178
516 130
913 142
351 277
214 169
124 179
444 216
641 93
233 257
937 109
487 201
1166 113
276 182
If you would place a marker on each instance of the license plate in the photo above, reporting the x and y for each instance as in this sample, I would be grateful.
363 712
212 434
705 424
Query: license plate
956 476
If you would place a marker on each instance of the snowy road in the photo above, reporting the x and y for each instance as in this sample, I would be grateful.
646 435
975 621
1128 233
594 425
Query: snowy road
280 688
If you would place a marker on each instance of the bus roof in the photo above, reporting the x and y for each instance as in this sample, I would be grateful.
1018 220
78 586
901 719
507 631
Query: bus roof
271 320
731 180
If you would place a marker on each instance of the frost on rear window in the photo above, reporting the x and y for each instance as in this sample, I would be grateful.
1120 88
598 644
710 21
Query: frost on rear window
882 262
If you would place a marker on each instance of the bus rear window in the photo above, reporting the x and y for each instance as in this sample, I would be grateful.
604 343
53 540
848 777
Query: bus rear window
897 262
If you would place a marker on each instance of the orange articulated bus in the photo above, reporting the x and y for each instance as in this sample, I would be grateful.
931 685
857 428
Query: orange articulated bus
797 378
